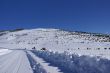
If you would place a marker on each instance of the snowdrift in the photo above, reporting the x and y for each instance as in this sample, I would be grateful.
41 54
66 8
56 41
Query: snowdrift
4 51
73 63
37 68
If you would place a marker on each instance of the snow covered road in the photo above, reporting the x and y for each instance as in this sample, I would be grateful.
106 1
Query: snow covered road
15 62
19 61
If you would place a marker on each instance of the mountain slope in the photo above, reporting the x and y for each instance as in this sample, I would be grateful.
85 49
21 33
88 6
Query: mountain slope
56 40
56 51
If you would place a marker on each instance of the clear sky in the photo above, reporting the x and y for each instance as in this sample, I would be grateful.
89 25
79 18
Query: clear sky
80 15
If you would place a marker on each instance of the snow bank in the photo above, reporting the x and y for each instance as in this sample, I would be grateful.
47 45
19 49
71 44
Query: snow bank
37 68
73 63
4 51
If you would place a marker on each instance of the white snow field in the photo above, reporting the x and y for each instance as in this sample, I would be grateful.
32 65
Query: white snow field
66 52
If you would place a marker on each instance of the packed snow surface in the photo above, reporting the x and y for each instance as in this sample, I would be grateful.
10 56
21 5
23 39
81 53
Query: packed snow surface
15 62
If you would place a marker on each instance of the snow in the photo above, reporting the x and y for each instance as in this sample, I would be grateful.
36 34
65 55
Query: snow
73 63
56 40
15 62
83 46
45 65
4 51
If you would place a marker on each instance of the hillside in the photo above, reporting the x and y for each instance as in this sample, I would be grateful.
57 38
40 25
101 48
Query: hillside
64 51
54 39
48 36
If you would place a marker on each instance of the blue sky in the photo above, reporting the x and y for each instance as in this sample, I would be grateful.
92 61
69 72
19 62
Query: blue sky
80 15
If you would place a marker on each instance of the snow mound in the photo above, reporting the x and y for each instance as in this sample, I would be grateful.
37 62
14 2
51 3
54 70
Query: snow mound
4 51
73 63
